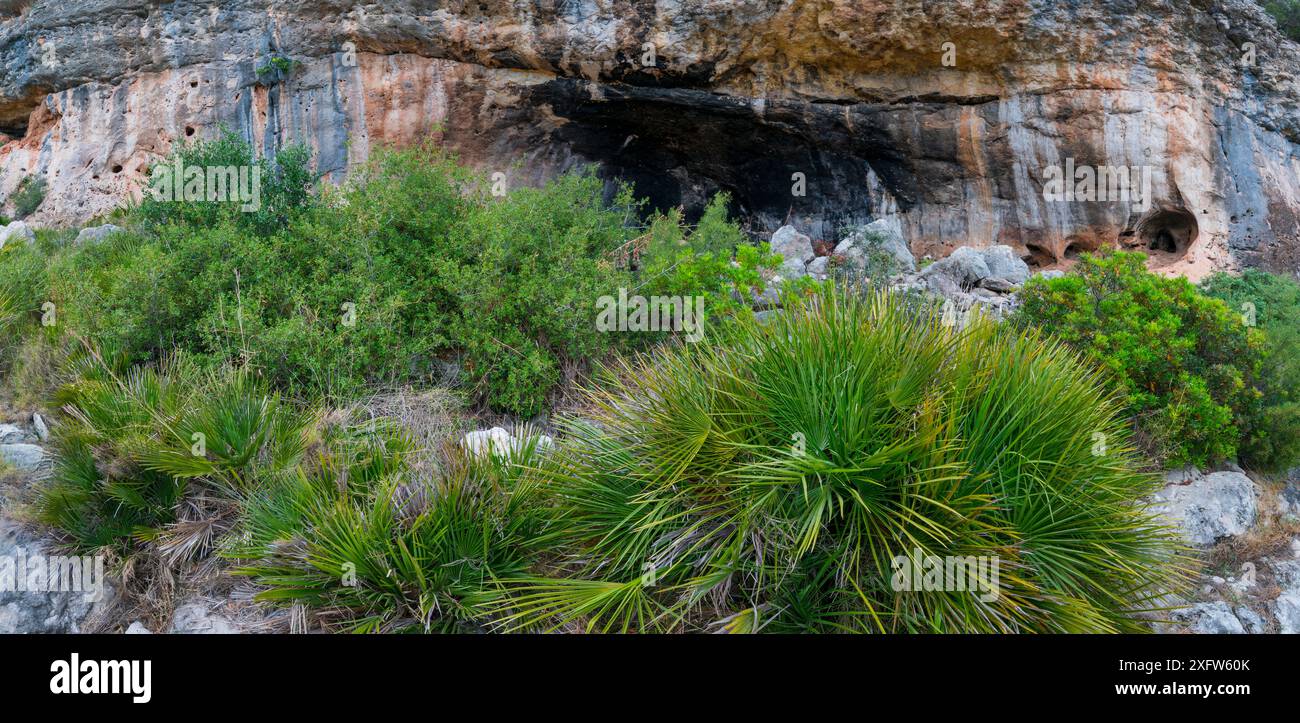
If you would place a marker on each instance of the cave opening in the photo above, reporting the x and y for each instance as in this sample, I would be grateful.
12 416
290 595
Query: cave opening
678 148
1168 233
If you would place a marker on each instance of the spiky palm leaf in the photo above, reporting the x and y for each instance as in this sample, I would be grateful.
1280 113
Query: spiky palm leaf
783 467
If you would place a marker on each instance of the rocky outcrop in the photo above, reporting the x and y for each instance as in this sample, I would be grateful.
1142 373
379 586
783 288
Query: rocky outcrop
946 119
46 602
1244 536
1208 507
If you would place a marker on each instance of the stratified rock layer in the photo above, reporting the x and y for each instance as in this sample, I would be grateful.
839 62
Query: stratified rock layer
859 104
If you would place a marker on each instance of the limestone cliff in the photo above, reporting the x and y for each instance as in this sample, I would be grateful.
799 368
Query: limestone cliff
865 98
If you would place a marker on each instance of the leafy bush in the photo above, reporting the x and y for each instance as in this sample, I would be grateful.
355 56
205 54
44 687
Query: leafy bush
1287 15
29 196
714 261
767 478
283 185
1272 303
391 552
1185 362
379 281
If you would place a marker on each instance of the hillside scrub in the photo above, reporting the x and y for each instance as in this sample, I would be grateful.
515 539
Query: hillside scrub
1188 366
411 265
1271 304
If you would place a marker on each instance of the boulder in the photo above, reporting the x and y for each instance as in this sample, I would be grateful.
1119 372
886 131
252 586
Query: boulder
24 457
500 442
1286 608
94 234
15 232
490 441
965 266
796 251
818 266
1209 507
38 426
138 628
1253 622
12 434
1209 618
1004 265
997 285
882 235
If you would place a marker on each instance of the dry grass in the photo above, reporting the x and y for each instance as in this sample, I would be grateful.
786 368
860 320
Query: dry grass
430 416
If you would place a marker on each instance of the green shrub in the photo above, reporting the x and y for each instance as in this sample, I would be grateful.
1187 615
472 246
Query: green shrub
29 196
133 447
715 261
373 283
1287 15
767 478
1185 362
391 552
1272 304
284 185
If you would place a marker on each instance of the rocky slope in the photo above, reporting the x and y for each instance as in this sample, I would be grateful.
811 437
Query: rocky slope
950 143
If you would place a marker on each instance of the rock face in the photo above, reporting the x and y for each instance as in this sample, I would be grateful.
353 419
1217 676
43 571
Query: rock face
946 119
38 610
1207 508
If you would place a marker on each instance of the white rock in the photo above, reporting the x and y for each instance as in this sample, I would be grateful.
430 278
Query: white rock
491 441
137 628
1207 618
26 611
1004 264
883 235
1211 507
15 232
24 457
965 266
38 426
197 619
95 234
1287 611
11 434
796 251
1251 620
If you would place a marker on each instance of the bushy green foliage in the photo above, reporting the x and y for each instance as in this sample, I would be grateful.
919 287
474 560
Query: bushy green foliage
391 552
1271 303
1287 15
1186 362
410 263
714 261
133 445
29 196
766 479
283 185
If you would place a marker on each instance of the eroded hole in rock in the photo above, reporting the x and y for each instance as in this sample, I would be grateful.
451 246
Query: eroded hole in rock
1038 256
1168 233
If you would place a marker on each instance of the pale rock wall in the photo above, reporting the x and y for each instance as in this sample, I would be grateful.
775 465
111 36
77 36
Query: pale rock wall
851 93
